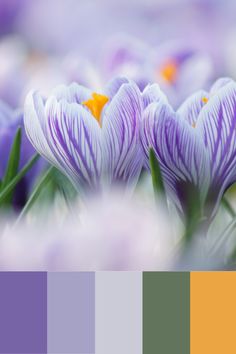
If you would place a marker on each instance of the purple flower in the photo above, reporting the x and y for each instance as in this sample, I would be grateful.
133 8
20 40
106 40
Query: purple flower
128 56
170 65
93 138
195 146
10 121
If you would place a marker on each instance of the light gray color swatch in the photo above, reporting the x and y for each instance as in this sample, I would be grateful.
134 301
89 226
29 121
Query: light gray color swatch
118 312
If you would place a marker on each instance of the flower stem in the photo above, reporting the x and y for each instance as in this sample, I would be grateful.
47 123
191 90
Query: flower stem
228 207
42 183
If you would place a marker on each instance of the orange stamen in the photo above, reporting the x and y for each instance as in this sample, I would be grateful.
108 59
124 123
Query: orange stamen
169 71
96 104
205 99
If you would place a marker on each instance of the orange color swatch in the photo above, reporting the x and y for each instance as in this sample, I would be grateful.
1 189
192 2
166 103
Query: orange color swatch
213 312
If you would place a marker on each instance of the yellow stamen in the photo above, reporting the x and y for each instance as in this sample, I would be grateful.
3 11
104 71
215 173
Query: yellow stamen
169 71
96 104
204 100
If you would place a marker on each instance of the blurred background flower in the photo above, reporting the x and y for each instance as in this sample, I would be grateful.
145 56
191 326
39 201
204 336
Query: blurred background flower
23 68
170 65
52 41
114 233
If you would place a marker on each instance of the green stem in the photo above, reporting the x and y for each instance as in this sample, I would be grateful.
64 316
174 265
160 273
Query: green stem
34 196
228 207
8 189
157 181
224 237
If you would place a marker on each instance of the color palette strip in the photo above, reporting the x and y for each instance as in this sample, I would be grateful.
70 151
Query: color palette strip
117 312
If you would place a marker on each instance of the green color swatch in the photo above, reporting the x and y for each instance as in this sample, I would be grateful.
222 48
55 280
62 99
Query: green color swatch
166 313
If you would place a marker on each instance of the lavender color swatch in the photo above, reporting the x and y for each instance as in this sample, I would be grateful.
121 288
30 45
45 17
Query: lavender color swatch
23 312
71 313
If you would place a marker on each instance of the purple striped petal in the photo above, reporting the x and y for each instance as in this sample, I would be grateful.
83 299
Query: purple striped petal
114 86
35 126
68 136
153 93
179 151
120 126
191 108
217 123
220 83
73 93
74 137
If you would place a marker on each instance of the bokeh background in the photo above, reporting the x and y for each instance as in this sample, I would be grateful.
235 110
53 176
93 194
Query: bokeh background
46 42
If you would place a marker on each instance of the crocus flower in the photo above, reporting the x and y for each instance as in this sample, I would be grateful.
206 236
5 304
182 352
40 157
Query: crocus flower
127 56
170 65
10 121
92 137
195 146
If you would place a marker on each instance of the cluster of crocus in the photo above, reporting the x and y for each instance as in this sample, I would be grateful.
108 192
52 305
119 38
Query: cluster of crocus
103 139
92 137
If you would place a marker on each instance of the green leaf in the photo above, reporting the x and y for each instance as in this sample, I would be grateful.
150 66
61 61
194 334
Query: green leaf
64 185
224 236
157 182
194 216
14 159
40 186
10 187
228 207
13 163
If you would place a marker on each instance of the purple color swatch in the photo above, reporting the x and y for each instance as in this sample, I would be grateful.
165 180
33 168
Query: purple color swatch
23 312
71 313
